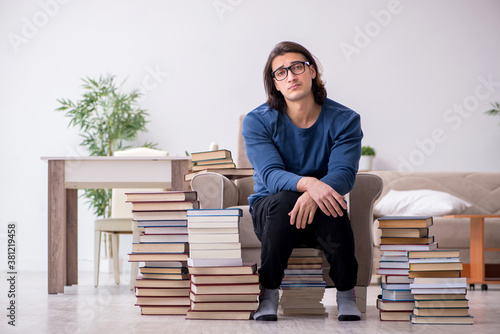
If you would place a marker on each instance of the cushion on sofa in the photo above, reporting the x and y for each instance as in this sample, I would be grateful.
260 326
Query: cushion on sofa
419 202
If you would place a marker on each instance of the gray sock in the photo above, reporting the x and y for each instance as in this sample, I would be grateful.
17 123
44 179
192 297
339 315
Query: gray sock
346 304
268 305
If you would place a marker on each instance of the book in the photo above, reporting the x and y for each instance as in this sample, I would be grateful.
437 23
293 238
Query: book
162 238
440 253
414 319
405 222
404 232
435 260
441 303
244 269
165 230
442 312
305 252
159 215
305 259
161 196
439 282
248 297
142 257
214 253
206 246
430 291
214 219
161 283
163 270
214 212
305 266
214 166
224 279
160 247
214 224
159 292
210 289
164 206
213 161
219 315
210 155
396 279
409 247
162 223
164 310
395 286
225 306
214 238
394 264
165 264
407 241
436 266
228 230
165 276
437 273
391 271
394 258
401 295
388 305
218 262
177 301
394 315
439 296
232 173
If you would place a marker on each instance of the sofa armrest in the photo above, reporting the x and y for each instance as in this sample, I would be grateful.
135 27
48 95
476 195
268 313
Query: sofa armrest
367 189
215 191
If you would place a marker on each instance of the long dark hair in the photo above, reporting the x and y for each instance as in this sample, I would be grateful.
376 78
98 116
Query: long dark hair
274 97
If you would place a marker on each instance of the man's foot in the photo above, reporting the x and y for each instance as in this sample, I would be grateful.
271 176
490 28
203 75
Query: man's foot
346 304
268 305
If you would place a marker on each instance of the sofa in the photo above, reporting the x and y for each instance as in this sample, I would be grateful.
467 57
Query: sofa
217 191
481 190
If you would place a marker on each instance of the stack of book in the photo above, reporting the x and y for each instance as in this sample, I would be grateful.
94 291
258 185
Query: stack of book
218 159
400 234
163 286
222 287
303 286
438 289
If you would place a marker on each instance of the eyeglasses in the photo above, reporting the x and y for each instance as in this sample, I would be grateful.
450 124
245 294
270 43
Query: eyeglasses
296 68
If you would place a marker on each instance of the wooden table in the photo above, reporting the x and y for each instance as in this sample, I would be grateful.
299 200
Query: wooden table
68 174
477 249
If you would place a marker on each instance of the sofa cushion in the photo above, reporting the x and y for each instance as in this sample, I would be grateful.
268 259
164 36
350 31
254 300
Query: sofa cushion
419 203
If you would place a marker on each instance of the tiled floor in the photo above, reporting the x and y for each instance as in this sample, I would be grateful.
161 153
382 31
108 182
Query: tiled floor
110 309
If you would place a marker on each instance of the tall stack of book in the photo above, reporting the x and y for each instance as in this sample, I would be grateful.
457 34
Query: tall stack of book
222 287
303 286
400 234
438 289
163 286
217 159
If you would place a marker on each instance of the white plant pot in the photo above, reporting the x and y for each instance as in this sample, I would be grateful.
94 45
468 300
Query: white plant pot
365 163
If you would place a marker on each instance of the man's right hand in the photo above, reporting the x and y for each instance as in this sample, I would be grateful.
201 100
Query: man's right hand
328 200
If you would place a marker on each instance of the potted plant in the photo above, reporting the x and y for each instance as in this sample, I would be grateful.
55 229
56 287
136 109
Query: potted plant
366 160
495 110
108 119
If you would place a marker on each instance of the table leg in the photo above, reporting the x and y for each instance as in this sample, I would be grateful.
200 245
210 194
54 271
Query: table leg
56 227
179 169
71 236
477 271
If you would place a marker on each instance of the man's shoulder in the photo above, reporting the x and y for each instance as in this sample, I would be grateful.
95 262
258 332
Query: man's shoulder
335 109
262 114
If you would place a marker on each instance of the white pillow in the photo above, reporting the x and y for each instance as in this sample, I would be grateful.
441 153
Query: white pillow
419 203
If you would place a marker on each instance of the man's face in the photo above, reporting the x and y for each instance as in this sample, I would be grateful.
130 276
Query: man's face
294 87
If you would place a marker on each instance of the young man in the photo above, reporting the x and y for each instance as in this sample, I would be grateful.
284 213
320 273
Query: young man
305 151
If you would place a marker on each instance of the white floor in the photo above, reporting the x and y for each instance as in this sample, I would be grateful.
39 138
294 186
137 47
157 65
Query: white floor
110 309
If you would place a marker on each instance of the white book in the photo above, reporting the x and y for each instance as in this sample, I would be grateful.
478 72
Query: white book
209 238
213 230
226 245
212 224
214 253
163 238
439 282
220 262
396 286
213 219
435 260
399 247
434 291
390 264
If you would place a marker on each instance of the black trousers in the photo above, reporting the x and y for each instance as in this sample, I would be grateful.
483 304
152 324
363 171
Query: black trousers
278 238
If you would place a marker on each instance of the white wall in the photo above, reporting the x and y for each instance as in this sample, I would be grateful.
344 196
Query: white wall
403 65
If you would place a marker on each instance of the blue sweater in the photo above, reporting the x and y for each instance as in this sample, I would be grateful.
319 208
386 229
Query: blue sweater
281 153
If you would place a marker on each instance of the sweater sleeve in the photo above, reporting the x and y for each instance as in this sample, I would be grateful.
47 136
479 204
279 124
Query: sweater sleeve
264 156
344 156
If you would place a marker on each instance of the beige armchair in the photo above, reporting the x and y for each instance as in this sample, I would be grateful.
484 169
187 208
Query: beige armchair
217 191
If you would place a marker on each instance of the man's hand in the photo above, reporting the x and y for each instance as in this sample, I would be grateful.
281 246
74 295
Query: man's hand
303 211
328 200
